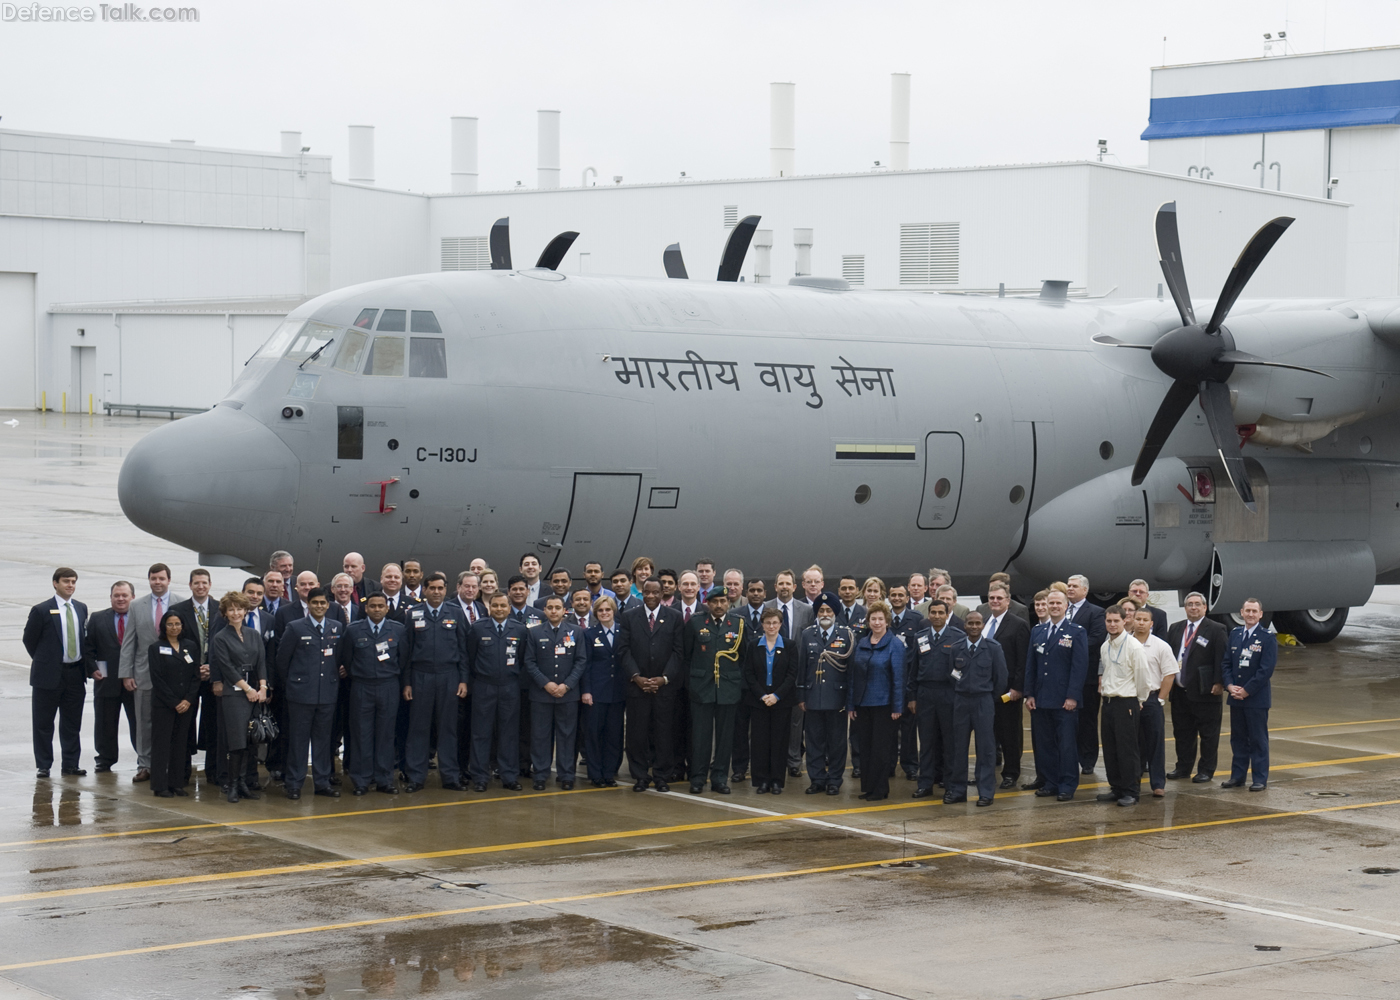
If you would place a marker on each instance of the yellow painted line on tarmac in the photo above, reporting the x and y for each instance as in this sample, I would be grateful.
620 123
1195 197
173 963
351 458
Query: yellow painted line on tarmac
672 886
1338 760
305 819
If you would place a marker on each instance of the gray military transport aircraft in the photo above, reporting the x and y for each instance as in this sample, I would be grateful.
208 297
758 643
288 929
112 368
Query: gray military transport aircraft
458 414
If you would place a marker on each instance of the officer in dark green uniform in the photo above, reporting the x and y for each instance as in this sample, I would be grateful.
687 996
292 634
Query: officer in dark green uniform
714 651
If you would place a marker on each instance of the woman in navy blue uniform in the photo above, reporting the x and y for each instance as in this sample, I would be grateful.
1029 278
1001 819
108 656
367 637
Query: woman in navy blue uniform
174 662
604 695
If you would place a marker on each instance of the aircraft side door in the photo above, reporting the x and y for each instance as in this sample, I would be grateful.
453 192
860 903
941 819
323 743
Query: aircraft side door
943 480
602 512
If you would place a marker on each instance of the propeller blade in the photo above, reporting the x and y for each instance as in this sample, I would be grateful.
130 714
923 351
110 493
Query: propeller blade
500 245
554 253
735 248
1169 250
1215 401
673 262
1245 358
1178 398
1246 264
1108 341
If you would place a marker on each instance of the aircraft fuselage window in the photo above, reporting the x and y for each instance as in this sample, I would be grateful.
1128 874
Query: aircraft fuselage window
424 322
350 432
352 351
386 357
312 337
365 321
393 320
281 338
427 356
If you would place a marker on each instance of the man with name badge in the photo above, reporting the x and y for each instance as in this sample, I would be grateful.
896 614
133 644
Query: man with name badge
1250 658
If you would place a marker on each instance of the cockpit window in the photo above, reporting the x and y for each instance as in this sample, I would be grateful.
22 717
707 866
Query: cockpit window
276 345
312 338
365 321
386 357
352 351
427 356
424 322
392 321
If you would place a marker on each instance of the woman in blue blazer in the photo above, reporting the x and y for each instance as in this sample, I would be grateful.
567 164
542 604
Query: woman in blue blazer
874 701
603 693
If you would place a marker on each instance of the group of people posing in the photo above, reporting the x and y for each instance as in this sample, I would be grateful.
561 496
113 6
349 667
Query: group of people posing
697 679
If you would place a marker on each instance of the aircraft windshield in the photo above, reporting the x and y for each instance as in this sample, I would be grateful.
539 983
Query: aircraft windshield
276 345
311 339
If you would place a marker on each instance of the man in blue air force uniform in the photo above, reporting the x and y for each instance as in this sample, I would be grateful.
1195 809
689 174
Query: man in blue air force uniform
554 660
372 652
1056 665
434 680
1246 671
979 670
306 659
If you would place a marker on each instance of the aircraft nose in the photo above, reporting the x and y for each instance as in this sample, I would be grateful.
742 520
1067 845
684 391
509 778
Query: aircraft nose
220 483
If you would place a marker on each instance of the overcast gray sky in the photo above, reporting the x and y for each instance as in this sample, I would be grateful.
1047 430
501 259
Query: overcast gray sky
647 89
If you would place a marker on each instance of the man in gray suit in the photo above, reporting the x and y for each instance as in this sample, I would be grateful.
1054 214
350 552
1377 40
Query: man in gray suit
796 617
142 623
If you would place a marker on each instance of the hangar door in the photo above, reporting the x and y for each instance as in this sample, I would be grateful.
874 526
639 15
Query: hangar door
17 341
943 475
601 514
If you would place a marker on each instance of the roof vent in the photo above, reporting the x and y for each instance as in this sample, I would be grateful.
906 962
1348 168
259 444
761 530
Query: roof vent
830 284
1057 291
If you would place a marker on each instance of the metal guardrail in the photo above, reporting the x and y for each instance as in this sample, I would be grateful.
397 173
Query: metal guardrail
139 408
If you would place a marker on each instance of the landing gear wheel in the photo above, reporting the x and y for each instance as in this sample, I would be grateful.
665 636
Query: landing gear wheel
1314 626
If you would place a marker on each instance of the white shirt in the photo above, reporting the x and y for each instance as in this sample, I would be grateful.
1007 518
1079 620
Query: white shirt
992 626
1123 668
1161 661
690 609
534 592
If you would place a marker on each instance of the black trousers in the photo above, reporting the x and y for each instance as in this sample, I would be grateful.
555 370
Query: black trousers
651 734
525 724
434 706
935 735
310 731
495 708
106 725
909 742
1192 722
207 723
170 733
772 735
66 701
464 735
1089 722
711 741
342 728
973 714
1152 741
1119 723
742 755
682 754
374 707
602 740
826 746
1007 723
873 730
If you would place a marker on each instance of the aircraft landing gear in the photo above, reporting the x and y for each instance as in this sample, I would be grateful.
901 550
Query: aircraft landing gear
1313 626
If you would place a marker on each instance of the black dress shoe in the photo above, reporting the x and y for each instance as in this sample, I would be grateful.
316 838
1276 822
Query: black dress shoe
661 786
761 788
597 784
335 779
539 786
361 789
166 793
479 786
181 792
1258 787
833 789
413 786
1064 796
293 794
1202 778
274 775
1044 792
1007 783
984 802
696 789
610 783
514 786
776 790
724 789
1033 786
814 789
1232 783
922 793
795 772
641 785
567 786
739 776
387 789
1175 775
43 772
1128 800
1106 797
949 800
1086 770
855 772
453 786
75 772
863 795
103 768
330 793
911 775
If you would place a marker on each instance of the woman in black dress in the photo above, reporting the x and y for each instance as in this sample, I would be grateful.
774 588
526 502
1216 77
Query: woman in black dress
770 691
238 658
174 663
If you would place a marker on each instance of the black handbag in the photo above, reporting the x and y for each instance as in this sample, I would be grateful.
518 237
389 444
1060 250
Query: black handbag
262 727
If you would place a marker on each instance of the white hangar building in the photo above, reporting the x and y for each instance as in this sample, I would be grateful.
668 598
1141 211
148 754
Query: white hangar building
145 274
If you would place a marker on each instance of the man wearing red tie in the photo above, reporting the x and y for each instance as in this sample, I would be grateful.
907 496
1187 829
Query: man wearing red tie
105 632
1199 645
141 630
651 643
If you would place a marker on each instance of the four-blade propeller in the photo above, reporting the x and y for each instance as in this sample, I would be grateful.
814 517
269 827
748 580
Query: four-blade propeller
550 257
730 263
1200 358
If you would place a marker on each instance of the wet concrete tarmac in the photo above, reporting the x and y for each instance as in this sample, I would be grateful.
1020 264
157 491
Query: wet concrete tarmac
106 891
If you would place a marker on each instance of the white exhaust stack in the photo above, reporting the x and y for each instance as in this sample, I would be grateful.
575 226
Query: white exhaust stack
899 121
802 240
763 257
548 150
291 143
463 155
782 129
361 154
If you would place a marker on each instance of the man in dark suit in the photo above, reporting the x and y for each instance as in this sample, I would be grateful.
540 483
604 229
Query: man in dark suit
353 565
1250 658
929 689
905 622
797 617
1056 665
1138 591
561 581
293 608
852 612
1011 632
651 638
53 637
1014 606
1199 645
105 631
751 610
199 620
274 591
1089 617
391 586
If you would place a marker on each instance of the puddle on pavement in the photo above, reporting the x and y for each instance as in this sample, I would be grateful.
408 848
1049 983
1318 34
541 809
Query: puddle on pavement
449 959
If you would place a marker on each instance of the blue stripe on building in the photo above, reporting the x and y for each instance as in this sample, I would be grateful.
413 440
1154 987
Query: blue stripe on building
1341 105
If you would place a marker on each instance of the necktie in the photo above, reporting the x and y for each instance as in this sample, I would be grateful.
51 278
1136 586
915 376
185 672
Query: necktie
937 636
608 633
785 621
346 612
202 617
972 648
319 630
687 614
72 645
121 629
500 628
651 622
991 629
159 604
1186 643
374 631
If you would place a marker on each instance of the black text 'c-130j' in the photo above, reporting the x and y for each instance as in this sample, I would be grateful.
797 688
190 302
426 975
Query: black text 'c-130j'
450 415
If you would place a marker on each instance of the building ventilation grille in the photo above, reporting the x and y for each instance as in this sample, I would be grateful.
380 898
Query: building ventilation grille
853 269
928 253
731 216
466 253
